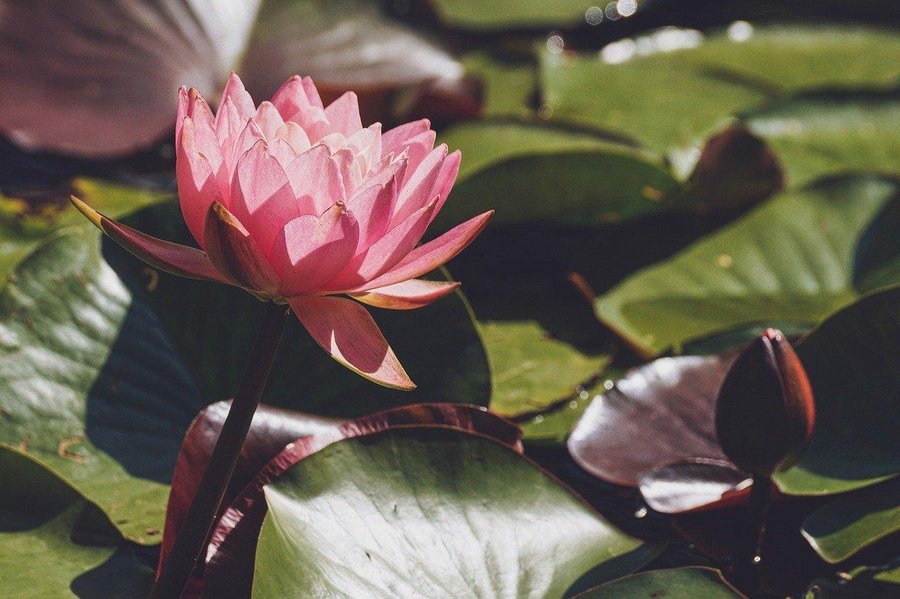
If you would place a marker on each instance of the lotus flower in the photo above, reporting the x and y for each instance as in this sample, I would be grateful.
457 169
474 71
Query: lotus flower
298 203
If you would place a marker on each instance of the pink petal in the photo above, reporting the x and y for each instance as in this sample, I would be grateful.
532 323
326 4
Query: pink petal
429 256
396 139
262 197
343 114
235 92
249 136
236 254
349 169
269 120
310 250
417 148
346 331
416 191
408 295
445 180
366 145
229 126
313 121
169 257
387 251
197 186
294 94
294 134
316 181
374 205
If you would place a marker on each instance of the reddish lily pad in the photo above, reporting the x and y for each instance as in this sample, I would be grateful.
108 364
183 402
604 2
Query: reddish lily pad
675 583
277 440
657 414
695 484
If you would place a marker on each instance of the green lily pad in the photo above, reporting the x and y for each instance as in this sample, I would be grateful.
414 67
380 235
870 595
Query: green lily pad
427 512
530 172
676 583
688 92
511 14
866 581
853 521
790 260
508 86
817 134
851 361
25 222
53 543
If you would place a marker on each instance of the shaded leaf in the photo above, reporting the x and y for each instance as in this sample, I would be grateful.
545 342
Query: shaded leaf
536 173
851 360
853 521
232 550
53 543
429 512
510 14
676 583
105 81
789 260
815 134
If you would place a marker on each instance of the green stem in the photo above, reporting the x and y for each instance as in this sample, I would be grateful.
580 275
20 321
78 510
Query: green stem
194 532
748 557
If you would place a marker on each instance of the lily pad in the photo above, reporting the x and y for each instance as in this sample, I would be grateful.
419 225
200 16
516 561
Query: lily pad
426 512
507 85
828 132
790 260
694 485
657 414
231 555
53 543
673 68
530 172
853 521
851 360
26 220
675 583
511 14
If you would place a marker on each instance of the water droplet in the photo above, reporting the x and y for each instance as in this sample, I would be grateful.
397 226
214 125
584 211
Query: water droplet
756 559
594 15
641 512
612 12
573 405
608 384
740 31
545 112
538 419
724 261
626 8
555 44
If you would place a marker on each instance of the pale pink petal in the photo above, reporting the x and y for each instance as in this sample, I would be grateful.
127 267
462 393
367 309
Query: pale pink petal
418 148
387 251
408 295
229 126
197 186
445 180
234 91
366 145
204 134
236 254
345 160
269 120
373 206
343 114
283 151
294 134
416 190
429 256
249 136
312 94
313 121
310 250
183 103
316 181
261 195
396 139
346 331
166 256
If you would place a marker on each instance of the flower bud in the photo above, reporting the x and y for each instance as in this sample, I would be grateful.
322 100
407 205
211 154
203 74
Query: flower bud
765 411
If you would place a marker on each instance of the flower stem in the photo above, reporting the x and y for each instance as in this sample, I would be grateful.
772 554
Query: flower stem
748 556
194 532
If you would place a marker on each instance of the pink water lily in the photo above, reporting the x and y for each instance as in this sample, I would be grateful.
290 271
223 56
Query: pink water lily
297 202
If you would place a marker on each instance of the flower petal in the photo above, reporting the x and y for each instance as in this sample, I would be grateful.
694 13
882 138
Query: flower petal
408 295
429 256
387 251
173 258
235 92
374 204
346 331
396 139
416 191
310 250
316 181
445 180
262 197
296 93
268 119
343 114
235 254
197 185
